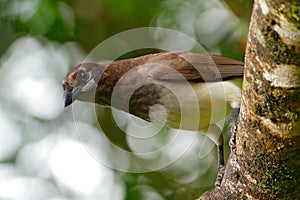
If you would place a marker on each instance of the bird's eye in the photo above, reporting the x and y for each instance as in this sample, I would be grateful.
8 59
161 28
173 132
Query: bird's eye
83 75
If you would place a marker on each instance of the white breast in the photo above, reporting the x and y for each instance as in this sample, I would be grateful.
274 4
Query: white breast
196 105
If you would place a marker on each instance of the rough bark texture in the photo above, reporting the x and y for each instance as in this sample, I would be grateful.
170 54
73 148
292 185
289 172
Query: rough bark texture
267 160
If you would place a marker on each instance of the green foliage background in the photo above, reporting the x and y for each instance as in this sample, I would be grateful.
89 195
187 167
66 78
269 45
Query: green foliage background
66 31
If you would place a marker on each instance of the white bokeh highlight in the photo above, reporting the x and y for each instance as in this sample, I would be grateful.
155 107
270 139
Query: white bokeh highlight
77 170
33 73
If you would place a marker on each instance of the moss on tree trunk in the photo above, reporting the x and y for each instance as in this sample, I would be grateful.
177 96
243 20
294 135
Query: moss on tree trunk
267 160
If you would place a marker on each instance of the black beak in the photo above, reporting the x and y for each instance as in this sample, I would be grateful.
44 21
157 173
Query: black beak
70 96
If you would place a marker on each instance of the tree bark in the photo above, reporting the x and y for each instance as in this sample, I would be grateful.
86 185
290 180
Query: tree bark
266 164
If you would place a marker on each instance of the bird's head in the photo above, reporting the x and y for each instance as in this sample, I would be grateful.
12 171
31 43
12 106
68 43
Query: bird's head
81 82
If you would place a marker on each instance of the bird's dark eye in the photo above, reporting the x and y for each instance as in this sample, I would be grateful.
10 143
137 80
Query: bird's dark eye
83 75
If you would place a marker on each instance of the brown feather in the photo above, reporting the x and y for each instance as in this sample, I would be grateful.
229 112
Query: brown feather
170 66
194 67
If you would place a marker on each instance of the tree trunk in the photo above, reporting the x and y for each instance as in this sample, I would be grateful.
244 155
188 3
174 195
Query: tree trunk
267 160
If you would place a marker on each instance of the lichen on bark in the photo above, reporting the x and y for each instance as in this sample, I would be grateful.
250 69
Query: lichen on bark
267 160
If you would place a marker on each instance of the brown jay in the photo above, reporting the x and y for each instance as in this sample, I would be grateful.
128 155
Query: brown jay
181 90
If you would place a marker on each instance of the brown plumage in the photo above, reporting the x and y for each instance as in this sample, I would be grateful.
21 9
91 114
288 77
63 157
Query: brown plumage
182 90
212 67
148 79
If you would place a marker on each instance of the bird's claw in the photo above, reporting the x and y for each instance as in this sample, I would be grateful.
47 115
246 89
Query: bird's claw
233 129
221 171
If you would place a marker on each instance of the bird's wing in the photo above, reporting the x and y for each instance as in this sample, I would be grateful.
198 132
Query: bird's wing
177 66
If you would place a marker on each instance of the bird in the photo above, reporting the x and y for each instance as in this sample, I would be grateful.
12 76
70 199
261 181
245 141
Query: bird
180 90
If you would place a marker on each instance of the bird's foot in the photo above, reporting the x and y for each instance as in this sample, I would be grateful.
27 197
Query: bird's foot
233 129
221 165
232 143
221 171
